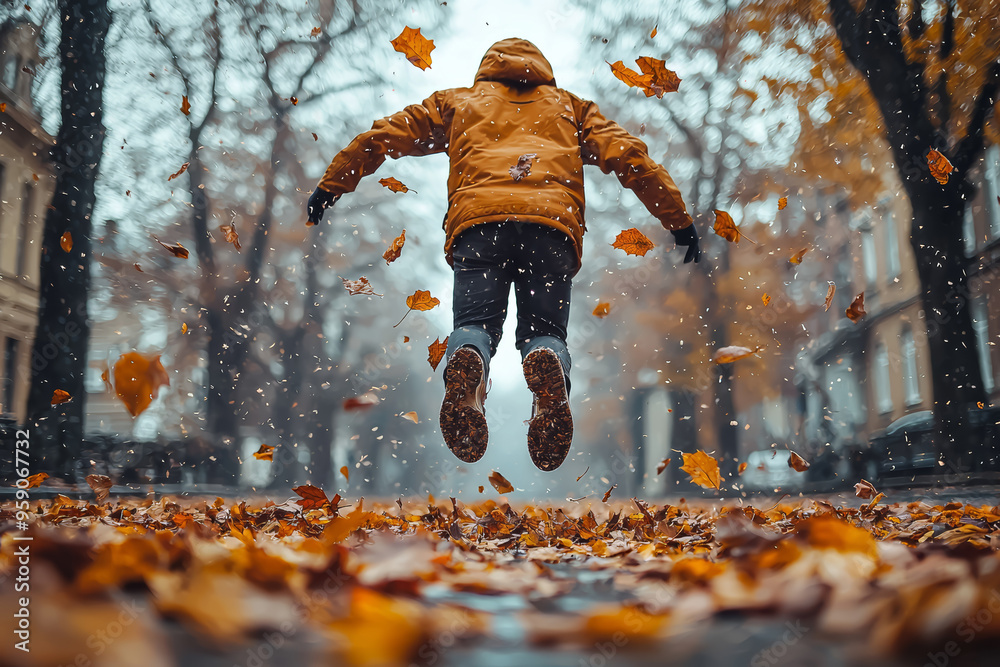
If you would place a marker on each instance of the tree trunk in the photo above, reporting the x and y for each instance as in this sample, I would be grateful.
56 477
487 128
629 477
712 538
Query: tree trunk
59 359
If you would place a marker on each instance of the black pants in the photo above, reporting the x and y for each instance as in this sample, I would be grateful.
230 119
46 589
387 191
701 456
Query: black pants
539 261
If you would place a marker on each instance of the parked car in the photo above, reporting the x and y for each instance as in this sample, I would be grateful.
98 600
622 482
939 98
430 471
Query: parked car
906 446
767 470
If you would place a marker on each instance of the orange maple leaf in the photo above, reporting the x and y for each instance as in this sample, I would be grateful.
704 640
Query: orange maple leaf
743 467
414 46
100 485
731 353
500 483
796 462
66 241
395 185
184 167
633 242
765 298
941 168
311 497
661 79
601 310
359 286
60 396
36 480
435 352
315 32
857 308
727 229
629 76
138 379
830 291
185 105
395 249
782 203
178 250
265 453
231 235
703 469
419 300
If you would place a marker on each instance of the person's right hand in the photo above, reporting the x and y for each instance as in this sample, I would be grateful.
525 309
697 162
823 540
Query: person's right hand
688 237
319 201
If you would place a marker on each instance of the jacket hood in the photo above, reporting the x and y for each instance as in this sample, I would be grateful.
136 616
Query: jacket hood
516 61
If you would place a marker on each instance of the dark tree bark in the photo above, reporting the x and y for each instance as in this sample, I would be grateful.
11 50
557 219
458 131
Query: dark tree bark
59 359
872 41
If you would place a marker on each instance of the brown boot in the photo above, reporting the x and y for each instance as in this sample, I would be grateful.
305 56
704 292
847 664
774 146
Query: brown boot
463 422
550 431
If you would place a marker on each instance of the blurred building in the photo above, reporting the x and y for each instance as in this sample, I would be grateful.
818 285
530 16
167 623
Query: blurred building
26 182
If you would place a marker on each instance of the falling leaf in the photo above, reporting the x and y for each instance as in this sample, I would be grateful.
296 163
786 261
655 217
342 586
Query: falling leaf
138 268
185 105
3 107
315 32
60 396
184 327
481 488
743 466
138 379
36 480
294 100
101 485
864 490
362 402
395 249
662 466
782 203
230 234
796 462
412 416
629 76
703 469
346 473
265 453
315 136
500 483
727 229
414 46
633 242
406 339
583 473
765 298
797 257
661 80
184 167
607 494
523 166
653 33
830 291
939 165
394 185
857 308
419 300
602 310
178 250
311 497
435 352
66 241
731 353
359 286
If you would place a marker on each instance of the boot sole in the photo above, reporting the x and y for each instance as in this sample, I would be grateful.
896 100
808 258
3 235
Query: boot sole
462 425
550 431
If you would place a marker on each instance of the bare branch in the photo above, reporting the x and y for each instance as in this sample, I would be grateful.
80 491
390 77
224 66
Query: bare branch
971 146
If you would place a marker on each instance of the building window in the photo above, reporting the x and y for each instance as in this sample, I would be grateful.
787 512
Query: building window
981 324
891 244
10 68
10 350
869 256
911 378
880 375
24 230
991 189
969 232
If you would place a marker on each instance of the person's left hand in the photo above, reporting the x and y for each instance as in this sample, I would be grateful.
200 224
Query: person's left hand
319 201
688 236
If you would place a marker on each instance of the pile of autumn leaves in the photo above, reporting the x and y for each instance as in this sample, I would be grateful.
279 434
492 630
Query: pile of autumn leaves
886 577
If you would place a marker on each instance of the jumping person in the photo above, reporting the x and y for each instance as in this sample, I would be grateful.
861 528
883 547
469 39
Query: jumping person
517 145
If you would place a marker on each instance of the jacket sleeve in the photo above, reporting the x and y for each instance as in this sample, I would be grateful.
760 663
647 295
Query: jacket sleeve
419 129
604 143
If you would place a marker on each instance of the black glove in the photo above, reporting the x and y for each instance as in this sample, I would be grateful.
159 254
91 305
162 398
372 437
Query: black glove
319 201
689 237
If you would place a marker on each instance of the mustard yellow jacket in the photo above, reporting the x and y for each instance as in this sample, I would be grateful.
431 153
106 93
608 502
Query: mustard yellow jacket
514 108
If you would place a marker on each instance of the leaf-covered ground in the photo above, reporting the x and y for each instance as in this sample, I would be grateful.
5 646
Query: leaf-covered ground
312 581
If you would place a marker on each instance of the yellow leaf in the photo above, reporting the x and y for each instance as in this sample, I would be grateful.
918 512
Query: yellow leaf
414 46
703 469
